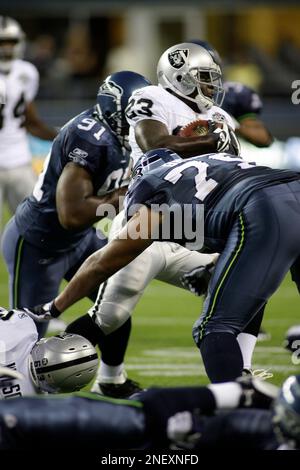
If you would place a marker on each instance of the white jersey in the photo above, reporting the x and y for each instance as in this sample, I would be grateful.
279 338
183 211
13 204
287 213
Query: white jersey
153 102
21 85
18 335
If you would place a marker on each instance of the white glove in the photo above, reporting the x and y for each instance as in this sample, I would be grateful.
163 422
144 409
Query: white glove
43 313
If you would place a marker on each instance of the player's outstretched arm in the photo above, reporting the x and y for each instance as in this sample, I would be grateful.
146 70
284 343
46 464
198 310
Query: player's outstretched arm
133 239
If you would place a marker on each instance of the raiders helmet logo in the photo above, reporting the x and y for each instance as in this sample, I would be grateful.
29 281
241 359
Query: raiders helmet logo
178 58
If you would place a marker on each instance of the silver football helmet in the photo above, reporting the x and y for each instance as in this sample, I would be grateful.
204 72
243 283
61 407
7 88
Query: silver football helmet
63 363
12 42
191 72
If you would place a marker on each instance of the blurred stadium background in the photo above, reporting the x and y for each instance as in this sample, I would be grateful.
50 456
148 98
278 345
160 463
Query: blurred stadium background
75 44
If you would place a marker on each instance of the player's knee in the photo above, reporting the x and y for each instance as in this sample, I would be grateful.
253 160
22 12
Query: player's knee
116 306
203 327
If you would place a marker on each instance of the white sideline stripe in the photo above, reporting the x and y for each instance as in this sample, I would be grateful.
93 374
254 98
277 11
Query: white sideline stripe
190 319
164 321
194 353
187 369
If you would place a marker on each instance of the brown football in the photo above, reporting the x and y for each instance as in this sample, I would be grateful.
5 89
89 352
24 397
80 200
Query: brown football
197 128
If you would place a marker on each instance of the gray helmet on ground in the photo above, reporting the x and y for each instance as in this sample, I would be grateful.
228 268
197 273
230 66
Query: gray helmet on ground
63 363
12 42
191 72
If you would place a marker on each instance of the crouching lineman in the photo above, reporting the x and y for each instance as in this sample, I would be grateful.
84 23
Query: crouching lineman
247 413
238 198
62 363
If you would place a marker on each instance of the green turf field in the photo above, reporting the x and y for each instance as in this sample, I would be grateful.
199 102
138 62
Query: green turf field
161 350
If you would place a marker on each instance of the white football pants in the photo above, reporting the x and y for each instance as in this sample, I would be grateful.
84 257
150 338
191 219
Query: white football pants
118 296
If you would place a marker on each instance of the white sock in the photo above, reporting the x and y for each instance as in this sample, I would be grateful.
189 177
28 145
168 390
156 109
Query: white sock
227 395
110 371
247 344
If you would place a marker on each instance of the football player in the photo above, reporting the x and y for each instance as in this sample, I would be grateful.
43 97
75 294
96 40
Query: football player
52 232
245 106
190 88
247 219
243 414
18 115
62 363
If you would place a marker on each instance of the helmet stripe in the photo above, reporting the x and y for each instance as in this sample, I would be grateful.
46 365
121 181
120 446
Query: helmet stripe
63 365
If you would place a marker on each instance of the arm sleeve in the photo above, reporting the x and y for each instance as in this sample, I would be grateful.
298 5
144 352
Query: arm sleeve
162 403
145 104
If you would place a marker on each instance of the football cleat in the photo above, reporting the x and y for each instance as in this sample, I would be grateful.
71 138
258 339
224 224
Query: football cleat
124 390
116 387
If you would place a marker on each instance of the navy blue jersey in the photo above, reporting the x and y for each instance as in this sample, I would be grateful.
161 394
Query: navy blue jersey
89 143
241 101
221 182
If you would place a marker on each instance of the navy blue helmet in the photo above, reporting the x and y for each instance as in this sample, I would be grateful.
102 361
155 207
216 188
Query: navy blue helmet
153 159
112 99
287 410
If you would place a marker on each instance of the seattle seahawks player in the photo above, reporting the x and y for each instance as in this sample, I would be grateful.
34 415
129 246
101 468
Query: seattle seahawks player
247 219
62 363
245 106
17 115
52 232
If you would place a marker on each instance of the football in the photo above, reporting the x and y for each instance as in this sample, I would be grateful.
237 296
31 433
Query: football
197 128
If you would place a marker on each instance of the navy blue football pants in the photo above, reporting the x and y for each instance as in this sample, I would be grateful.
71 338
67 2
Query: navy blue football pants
262 246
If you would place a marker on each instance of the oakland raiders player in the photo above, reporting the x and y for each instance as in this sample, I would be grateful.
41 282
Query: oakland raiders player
52 232
62 363
17 115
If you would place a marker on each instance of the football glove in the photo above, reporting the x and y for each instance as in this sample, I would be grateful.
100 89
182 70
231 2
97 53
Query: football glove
43 312
226 140
256 393
198 279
